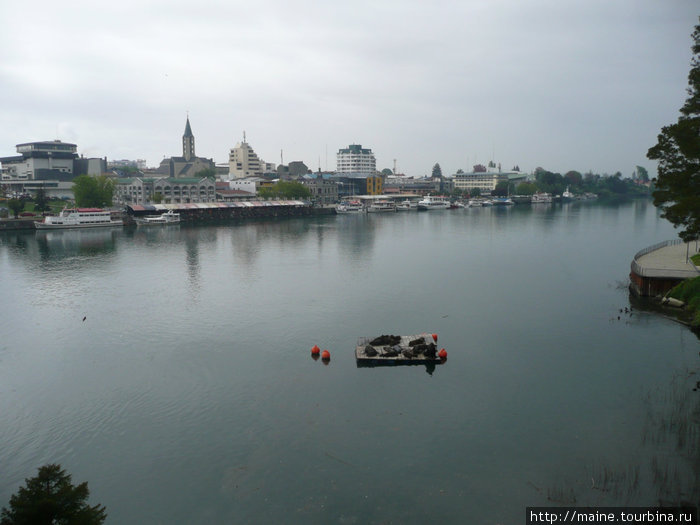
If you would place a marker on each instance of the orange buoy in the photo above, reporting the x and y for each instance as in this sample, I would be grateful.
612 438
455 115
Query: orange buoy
442 353
315 350
435 337
325 355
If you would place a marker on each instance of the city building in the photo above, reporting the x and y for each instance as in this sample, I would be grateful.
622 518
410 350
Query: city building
323 190
171 190
244 162
355 161
50 165
189 164
485 181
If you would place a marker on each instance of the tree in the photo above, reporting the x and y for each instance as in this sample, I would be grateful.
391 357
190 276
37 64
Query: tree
437 171
93 191
460 171
157 197
286 190
206 172
387 171
41 201
50 498
677 191
642 174
573 178
475 192
501 189
15 206
525 188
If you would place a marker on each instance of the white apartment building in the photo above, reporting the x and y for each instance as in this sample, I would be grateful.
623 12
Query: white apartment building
355 161
486 181
244 162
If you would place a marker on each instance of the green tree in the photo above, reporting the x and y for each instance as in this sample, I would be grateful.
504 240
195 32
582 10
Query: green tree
387 171
642 174
501 188
677 191
573 178
93 191
437 171
50 498
157 197
206 172
286 189
475 192
525 188
16 206
41 201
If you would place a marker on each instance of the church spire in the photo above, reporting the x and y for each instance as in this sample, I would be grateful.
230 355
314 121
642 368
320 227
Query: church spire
188 142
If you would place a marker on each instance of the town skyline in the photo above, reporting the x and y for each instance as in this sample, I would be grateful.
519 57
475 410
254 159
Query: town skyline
585 86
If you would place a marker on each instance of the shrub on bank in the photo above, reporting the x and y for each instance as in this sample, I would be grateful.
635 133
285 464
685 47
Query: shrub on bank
689 292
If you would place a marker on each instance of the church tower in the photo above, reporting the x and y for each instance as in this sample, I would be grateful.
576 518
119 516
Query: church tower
188 142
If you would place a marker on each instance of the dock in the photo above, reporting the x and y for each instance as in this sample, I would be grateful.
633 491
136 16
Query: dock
419 349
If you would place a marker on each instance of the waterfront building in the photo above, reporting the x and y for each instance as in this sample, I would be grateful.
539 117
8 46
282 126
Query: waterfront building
189 164
485 181
323 190
244 162
355 161
50 165
408 185
172 190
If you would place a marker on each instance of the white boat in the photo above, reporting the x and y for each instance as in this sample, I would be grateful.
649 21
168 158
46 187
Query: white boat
350 207
407 205
567 195
79 218
433 202
541 197
169 217
503 201
381 206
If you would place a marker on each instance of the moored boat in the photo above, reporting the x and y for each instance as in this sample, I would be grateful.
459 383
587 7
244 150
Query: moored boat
407 205
541 197
433 202
169 217
350 207
79 218
381 206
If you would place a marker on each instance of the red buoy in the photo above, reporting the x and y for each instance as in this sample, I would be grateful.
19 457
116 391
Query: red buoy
325 355
435 337
442 353
315 350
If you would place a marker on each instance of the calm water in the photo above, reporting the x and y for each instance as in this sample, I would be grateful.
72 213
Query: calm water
188 394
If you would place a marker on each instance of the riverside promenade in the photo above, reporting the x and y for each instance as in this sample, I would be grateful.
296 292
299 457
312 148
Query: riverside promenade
658 268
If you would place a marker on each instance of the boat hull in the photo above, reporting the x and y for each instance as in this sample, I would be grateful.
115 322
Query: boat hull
44 226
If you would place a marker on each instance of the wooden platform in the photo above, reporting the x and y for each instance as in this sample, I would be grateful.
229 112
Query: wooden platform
387 354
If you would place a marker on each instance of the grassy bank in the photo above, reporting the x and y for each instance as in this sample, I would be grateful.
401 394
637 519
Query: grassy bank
689 292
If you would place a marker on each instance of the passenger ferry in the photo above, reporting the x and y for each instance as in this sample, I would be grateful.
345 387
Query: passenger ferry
169 217
381 206
350 207
433 202
79 218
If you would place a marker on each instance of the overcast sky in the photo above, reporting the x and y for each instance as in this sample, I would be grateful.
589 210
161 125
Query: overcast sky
561 84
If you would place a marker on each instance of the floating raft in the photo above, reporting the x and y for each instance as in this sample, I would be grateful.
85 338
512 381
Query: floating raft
397 350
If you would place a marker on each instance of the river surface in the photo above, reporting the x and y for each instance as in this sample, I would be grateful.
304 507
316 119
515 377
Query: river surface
170 367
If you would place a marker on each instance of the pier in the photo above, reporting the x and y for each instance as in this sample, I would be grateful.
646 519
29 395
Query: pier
660 267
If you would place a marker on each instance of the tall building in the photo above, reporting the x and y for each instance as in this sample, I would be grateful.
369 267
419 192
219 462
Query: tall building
244 162
356 161
188 165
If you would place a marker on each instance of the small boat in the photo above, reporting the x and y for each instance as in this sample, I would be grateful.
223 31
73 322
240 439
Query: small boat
456 205
381 206
169 217
433 202
541 197
503 201
79 218
407 205
567 196
350 207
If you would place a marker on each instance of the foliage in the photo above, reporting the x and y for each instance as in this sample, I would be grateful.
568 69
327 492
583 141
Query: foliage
387 171
437 171
41 200
15 206
475 192
209 173
573 178
93 191
677 191
642 174
157 197
50 498
525 188
285 190
688 291
460 171
501 189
